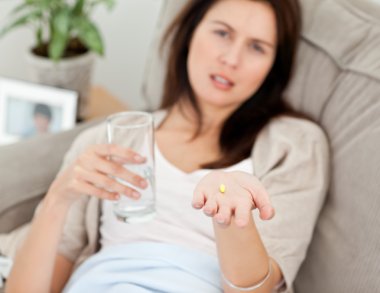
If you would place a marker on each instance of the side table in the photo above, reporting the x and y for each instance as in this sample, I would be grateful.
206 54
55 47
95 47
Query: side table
102 103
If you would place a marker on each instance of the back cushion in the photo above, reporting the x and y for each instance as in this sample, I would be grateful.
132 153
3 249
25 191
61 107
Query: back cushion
155 69
26 172
338 83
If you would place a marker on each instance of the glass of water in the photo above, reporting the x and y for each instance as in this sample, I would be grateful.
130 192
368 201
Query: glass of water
135 130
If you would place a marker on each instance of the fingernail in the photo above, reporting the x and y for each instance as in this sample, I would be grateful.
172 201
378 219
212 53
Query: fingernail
117 196
267 212
197 205
241 223
138 158
220 221
143 183
135 194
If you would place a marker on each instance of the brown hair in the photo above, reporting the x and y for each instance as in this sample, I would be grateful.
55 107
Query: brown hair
241 128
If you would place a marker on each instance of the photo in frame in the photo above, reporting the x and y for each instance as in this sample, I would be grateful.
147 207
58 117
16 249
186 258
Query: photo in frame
28 109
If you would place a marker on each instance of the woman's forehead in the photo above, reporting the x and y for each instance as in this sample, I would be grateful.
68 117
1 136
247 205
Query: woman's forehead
256 19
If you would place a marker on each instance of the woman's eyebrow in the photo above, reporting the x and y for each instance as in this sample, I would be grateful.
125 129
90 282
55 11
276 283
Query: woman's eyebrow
232 29
223 23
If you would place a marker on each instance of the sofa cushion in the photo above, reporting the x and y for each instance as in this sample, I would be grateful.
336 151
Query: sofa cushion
338 83
28 168
155 69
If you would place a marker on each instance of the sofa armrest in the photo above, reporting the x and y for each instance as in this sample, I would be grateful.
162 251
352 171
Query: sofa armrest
27 170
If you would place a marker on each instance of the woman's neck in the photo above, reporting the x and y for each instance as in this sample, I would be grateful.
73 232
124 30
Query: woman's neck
182 117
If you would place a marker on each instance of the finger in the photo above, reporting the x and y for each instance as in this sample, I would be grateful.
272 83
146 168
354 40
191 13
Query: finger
114 169
262 202
223 216
107 183
198 199
267 212
259 195
242 215
127 155
210 207
83 187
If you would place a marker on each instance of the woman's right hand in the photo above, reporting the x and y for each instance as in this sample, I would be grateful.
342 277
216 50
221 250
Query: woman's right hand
94 172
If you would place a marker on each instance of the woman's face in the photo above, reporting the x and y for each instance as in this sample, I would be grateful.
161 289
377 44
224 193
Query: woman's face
231 52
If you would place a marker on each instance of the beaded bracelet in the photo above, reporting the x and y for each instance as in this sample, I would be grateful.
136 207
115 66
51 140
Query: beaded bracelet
254 287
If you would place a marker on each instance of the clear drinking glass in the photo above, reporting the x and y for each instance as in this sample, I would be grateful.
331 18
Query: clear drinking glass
135 130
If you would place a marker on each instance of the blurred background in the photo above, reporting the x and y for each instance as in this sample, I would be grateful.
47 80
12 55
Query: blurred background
127 31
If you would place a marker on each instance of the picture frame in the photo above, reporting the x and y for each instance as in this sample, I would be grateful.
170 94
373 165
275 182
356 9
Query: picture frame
28 109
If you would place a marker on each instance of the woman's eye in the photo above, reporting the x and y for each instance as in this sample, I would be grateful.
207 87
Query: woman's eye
222 33
257 47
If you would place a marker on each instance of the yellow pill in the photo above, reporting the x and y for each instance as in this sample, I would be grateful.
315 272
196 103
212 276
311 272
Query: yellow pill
222 188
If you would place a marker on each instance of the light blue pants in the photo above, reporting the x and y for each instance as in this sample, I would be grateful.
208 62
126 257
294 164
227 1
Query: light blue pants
147 267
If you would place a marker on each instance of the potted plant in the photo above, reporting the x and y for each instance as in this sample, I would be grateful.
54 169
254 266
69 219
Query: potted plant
66 39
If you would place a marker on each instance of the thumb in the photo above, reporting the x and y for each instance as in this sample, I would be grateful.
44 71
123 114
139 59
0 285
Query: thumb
259 195
261 200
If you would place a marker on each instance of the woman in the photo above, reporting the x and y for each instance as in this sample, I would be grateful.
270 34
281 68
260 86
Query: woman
238 147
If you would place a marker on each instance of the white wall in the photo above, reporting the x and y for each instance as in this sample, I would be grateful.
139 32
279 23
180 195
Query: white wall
127 31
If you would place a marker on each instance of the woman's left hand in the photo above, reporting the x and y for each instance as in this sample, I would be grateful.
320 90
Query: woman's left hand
243 193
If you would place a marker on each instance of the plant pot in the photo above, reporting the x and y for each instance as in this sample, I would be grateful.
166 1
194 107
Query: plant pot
72 73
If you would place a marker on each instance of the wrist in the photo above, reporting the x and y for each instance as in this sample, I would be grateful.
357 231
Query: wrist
252 287
58 194
50 210
53 201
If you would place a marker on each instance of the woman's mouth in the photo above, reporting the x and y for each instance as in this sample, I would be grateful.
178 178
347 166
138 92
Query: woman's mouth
221 82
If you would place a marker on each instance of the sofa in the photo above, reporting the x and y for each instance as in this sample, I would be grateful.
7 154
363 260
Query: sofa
337 83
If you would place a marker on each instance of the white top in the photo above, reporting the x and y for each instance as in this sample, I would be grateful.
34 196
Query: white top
176 220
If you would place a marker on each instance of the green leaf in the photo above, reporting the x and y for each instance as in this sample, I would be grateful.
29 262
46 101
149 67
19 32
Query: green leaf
78 8
40 4
20 8
110 3
39 36
60 24
23 20
89 34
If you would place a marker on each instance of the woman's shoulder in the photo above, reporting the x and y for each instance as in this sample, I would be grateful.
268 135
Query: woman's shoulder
289 140
93 135
291 127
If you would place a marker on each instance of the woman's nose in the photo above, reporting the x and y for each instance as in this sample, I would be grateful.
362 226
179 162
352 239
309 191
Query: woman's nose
231 56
